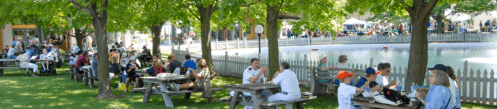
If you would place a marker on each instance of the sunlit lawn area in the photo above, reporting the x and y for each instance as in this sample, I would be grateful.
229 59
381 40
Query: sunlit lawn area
55 92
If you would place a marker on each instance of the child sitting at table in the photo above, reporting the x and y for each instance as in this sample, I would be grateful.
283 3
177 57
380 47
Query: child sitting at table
370 76
345 91
156 68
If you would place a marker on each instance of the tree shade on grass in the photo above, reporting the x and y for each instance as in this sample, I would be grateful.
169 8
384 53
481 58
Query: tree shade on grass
57 92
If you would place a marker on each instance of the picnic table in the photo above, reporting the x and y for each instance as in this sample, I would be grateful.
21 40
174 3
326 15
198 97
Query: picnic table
371 103
71 66
3 55
88 76
4 65
163 81
319 88
256 89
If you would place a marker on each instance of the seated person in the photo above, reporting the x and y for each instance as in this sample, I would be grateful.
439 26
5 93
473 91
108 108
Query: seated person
345 91
46 56
289 84
189 63
94 66
25 63
174 65
82 61
156 69
145 55
201 76
438 95
131 71
74 49
114 62
11 53
6 49
253 74
382 76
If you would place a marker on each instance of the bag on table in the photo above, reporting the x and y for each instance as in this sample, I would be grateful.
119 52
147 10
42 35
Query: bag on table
395 96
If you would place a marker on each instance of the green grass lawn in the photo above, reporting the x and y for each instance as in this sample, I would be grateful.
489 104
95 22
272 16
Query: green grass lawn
55 92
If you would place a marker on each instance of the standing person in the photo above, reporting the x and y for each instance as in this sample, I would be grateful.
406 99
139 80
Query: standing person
89 42
382 76
25 63
94 66
37 41
131 71
438 96
289 84
346 92
189 63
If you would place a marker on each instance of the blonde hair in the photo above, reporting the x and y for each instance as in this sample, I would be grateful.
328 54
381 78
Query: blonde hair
441 78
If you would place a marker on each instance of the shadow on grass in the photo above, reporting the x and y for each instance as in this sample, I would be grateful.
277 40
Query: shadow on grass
20 91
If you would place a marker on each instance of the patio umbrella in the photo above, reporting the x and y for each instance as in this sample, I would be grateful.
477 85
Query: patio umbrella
459 17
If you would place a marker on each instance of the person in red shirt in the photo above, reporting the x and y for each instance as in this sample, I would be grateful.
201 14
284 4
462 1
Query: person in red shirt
82 61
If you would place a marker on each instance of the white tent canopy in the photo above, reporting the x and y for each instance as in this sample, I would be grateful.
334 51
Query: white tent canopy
353 21
459 17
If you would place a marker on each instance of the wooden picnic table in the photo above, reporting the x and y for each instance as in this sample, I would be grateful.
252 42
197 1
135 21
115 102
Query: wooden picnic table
163 81
370 103
88 76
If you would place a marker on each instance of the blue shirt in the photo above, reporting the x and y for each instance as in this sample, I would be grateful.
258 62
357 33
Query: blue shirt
438 97
173 65
361 82
94 66
190 64
31 53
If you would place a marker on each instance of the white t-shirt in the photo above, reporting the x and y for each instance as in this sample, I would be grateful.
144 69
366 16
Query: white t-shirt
288 82
383 81
37 41
452 89
345 94
250 72
11 51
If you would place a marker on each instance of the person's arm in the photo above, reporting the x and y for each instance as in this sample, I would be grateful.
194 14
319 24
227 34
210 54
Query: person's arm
254 78
276 79
392 83
129 69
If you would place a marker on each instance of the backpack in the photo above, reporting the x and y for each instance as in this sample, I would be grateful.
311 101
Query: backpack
395 96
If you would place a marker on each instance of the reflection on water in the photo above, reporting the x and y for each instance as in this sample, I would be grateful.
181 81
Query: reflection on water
479 55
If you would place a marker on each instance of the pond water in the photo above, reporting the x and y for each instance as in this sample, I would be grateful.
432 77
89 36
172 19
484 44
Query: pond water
479 55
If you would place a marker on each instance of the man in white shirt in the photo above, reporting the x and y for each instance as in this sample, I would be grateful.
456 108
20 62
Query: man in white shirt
289 85
382 76
11 52
253 74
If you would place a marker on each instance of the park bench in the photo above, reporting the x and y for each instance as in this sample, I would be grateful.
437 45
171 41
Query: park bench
71 68
318 88
11 66
88 76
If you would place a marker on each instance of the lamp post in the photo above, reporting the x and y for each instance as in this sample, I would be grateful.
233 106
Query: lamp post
259 29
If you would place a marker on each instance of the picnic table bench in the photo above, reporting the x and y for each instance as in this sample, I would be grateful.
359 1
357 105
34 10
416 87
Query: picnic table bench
163 81
318 88
71 68
255 89
371 103
5 66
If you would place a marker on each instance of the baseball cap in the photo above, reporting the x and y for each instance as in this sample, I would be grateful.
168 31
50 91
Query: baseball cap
370 70
343 74
322 56
440 67
132 58
50 45
144 46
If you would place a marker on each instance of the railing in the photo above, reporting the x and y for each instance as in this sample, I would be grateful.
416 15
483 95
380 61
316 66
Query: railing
476 87
447 37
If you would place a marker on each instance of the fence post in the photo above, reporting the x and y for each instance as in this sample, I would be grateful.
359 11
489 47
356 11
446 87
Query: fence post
306 71
226 40
245 41
237 43
371 64
226 63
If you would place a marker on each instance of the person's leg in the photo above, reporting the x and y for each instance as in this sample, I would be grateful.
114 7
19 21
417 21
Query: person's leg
187 85
136 82
127 84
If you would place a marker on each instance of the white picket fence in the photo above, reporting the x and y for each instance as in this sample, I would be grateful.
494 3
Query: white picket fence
476 87
448 37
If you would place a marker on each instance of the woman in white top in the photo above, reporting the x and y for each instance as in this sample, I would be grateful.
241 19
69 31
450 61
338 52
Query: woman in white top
24 59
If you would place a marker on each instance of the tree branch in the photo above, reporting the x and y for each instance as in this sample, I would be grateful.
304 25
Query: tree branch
429 7
103 12
249 4
278 12
191 11
79 6
89 33
404 3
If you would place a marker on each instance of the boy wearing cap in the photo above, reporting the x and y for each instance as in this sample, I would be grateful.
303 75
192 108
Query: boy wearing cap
346 92
370 77
131 71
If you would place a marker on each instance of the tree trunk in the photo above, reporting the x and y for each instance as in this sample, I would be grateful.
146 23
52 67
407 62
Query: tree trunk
205 28
156 39
440 25
272 27
418 55
104 90
79 38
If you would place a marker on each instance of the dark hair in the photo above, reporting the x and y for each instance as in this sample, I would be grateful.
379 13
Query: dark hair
285 65
157 55
36 36
187 57
113 46
169 57
451 73
383 65
253 60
